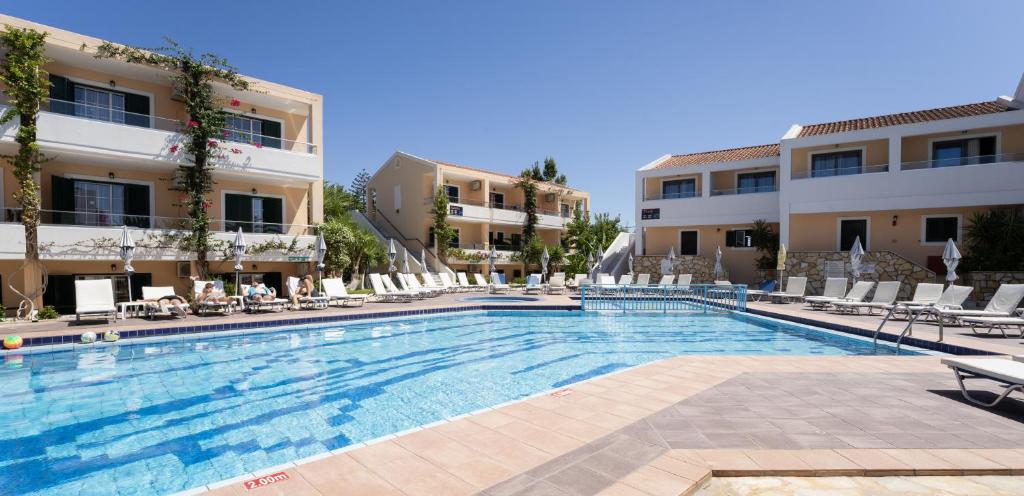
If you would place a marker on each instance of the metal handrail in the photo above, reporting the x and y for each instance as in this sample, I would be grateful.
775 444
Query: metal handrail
744 191
515 207
673 196
124 118
108 220
840 172
962 161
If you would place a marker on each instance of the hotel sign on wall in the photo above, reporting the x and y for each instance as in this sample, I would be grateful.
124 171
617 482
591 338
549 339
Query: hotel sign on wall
455 210
650 213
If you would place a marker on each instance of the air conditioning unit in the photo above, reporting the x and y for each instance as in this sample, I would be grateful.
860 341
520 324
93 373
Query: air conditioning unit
475 185
550 197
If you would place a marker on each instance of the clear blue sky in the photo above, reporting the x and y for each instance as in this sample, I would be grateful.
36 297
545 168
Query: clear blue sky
604 87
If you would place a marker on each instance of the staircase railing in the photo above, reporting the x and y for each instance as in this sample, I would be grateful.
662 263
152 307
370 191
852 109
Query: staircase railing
418 244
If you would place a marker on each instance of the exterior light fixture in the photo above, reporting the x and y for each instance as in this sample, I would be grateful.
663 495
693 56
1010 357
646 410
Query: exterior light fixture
113 83
254 191
110 175
894 218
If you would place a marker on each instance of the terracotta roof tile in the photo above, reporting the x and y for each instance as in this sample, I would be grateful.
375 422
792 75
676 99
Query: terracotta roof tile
716 156
916 116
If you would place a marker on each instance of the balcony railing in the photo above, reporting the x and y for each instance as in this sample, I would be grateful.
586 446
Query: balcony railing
485 246
962 161
673 196
120 117
843 171
515 207
744 191
116 220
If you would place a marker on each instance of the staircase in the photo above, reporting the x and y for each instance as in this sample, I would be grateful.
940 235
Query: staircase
384 230
616 258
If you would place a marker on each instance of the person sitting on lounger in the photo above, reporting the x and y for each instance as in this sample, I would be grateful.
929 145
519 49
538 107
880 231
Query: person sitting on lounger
211 294
260 292
305 289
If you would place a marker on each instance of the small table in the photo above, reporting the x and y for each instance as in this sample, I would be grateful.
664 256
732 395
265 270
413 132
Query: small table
238 300
135 306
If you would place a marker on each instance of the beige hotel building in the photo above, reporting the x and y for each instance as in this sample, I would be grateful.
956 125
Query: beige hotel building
904 183
109 128
485 208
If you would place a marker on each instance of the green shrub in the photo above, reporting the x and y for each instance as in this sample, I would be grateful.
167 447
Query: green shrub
519 280
3 313
48 313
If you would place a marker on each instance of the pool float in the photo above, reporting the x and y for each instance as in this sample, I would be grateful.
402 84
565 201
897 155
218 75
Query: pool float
12 342
111 336
89 337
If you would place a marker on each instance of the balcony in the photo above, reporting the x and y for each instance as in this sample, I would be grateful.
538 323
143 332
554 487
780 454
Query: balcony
744 191
92 236
103 136
840 172
480 253
672 196
944 183
501 213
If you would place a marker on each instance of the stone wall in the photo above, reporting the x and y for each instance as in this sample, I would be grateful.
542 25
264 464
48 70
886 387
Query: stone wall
876 266
702 268
986 283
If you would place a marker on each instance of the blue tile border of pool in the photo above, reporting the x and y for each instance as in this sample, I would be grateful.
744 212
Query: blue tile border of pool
212 328
951 349
29 342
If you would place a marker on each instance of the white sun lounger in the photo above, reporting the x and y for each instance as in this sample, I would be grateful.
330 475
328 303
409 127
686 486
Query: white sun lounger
389 284
95 298
253 305
885 295
464 281
556 285
203 308
409 282
625 279
532 284
1008 373
667 280
796 287
447 283
480 281
643 279
431 284
684 280
995 323
1003 304
307 302
335 290
382 294
835 288
152 296
497 286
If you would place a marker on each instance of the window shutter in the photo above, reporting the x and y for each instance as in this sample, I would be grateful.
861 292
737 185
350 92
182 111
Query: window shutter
730 238
136 205
62 92
271 130
238 208
62 200
272 214
137 110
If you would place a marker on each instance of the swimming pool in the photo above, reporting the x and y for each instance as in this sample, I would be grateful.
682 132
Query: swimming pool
160 417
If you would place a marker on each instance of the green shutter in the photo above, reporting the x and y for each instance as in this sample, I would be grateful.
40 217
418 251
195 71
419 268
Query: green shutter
62 200
271 131
272 215
136 205
62 94
137 110
237 212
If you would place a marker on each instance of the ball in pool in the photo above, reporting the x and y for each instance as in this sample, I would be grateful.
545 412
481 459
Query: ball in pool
12 342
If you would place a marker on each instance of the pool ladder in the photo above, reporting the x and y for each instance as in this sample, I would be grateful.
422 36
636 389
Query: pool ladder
912 316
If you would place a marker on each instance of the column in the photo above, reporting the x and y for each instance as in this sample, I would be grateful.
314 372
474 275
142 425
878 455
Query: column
895 153
705 184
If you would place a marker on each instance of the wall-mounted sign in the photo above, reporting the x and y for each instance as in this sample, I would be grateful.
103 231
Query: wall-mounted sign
455 210
650 213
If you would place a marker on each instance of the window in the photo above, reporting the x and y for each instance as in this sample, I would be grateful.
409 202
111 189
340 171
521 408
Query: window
836 163
497 200
849 230
98 203
81 100
738 238
454 243
940 229
967 151
452 192
755 182
688 243
255 214
252 130
566 210
496 238
678 188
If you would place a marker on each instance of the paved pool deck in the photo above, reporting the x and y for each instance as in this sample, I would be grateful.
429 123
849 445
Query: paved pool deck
668 427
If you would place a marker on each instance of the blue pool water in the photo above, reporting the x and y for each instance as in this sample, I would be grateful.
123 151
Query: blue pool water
159 417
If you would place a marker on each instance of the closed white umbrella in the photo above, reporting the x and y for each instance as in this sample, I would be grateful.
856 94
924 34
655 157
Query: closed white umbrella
405 262
392 255
718 262
493 259
590 266
780 264
630 262
856 256
600 258
128 256
951 257
321 254
668 263
423 261
544 259
240 247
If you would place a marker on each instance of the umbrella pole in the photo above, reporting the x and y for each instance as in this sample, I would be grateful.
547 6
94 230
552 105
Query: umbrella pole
129 274
236 282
